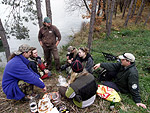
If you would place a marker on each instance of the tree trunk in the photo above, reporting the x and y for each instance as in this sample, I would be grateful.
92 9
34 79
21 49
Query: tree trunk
92 20
147 18
104 6
110 18
125 6
121 4
86 6
4 40
48 9
39 12
140 11
99 7
129 13
134 9
107 14
116 5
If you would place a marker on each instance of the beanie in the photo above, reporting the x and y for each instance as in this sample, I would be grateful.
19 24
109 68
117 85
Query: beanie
77 66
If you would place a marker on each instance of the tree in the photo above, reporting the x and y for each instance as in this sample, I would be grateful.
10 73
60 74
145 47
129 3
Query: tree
92 20
4 40
14 24
109 17
140 11
129 13
147 18
134 9
48 9
125 6
39 12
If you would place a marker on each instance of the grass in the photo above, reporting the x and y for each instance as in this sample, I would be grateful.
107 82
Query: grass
134 40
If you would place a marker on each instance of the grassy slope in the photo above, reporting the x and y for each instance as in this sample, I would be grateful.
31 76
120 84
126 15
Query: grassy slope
135 41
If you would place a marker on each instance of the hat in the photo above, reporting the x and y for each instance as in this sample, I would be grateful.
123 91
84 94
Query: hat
77 66
47 20
127 56
23 48
70 48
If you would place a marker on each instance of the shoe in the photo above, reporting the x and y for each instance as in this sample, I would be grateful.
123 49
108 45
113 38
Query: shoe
36 96
26 98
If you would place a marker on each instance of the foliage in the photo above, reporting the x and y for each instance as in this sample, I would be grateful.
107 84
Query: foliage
21 11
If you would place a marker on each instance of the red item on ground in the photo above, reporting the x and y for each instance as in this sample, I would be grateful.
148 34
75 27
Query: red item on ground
42 66
44 76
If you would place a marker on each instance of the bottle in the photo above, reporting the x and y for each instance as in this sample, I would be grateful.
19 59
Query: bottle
33 105
112 104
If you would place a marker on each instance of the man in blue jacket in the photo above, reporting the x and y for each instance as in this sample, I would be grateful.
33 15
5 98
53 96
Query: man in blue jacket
17 72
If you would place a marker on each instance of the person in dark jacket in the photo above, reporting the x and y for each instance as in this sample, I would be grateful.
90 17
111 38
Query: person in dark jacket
85 58
49 38
82 87
126 79
37 64
18 77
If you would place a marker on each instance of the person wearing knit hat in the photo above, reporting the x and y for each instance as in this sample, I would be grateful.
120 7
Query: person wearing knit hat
49 37
126 77
18 78
77 66
82 86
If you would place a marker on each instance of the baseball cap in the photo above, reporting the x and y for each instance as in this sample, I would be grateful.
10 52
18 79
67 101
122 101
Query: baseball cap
47 20
23 48
128 56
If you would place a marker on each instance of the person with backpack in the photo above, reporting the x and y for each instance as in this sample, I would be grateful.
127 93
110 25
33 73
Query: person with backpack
37 64
126 79
49 37
18 79
82 87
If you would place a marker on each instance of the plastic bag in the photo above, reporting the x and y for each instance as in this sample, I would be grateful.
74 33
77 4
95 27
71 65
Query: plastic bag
62 81
108 93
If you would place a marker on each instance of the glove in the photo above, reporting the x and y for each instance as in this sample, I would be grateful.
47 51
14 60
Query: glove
39 60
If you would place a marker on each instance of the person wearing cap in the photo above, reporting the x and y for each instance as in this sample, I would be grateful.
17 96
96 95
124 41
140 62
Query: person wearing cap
82 87
18 78
126 80
49 37
71 55
37 65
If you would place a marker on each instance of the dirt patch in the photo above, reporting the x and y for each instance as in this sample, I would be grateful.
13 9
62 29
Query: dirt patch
9 106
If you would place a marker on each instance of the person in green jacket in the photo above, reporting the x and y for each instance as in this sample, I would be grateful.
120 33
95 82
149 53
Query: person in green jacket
126 79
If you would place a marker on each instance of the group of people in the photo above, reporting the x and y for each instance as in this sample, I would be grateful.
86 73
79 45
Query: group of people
21 71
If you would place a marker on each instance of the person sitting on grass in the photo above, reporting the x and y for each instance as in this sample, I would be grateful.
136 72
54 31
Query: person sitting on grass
71 55
85 58
37 64
126 80
82 88
18 79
